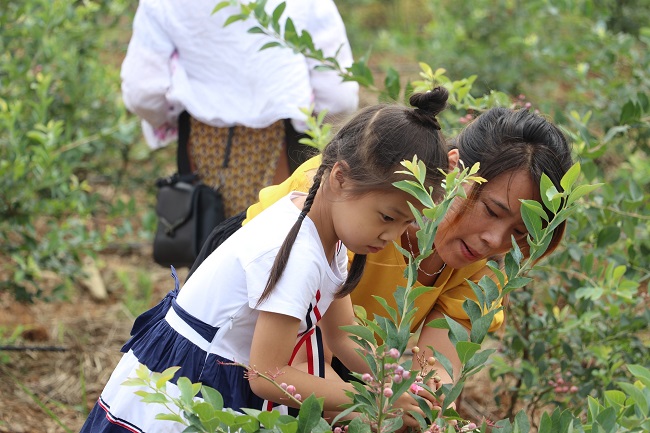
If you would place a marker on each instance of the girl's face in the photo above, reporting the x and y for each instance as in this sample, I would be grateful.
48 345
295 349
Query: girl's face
484 228
368 223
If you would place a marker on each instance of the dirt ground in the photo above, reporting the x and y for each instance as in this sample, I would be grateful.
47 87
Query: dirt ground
76 344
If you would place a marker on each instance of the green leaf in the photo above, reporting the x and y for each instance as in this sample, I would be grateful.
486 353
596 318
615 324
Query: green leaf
580 191
440 323
466 350
234 18
277 13
547 191
270 45
390 310
133 381
220 6
453 394
640 372
608 235
186 389
636 395
570 177
212 396
361 332
607 419
150 397
491 289
392 84
521 422
310 414
268 419
170 417
444 361
480 327
535 207
478 360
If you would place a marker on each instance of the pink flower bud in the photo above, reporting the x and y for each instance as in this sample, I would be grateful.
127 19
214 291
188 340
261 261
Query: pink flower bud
291 389
338 430
388 392
366 378
406 375
298 397
394 353
397 378
573 389
415 388
283 386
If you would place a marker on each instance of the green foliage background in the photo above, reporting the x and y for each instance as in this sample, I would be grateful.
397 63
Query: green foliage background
68 148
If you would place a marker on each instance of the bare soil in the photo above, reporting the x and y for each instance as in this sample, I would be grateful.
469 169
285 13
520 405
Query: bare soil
74 346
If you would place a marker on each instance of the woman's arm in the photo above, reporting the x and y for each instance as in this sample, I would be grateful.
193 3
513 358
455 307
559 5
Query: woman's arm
146 70
439 340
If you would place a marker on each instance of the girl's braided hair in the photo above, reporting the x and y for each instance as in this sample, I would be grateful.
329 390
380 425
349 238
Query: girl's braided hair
372 145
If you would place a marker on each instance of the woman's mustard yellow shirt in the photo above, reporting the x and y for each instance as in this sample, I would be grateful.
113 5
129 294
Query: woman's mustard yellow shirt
384 270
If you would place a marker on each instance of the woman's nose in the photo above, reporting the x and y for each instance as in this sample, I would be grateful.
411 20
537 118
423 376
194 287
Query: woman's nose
496 238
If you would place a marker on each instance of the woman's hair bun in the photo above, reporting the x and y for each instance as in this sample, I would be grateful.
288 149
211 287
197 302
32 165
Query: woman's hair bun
428 105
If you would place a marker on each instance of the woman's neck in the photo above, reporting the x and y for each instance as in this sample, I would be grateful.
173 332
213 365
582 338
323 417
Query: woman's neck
431 267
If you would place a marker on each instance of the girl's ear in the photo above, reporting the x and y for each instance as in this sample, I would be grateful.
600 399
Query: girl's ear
453 157
337 177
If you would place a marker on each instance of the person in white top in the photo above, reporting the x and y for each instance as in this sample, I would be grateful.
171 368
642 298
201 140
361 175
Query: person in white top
244 104
256 300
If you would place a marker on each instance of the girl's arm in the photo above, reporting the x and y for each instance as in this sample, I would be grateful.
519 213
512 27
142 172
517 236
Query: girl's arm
271 350
340 313
273 343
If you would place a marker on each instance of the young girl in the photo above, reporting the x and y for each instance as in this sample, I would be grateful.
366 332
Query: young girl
257 298
514 147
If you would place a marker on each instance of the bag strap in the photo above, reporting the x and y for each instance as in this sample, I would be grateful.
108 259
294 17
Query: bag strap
182 156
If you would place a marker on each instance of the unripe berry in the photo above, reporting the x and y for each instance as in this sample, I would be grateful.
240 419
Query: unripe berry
431 360
415 350
437 379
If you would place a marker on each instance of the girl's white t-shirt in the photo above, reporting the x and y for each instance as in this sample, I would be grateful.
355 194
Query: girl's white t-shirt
224 290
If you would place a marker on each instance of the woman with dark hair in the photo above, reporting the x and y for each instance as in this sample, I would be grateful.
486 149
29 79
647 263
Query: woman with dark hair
514 148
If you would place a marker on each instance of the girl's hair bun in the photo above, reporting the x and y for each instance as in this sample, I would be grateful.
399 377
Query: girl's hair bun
428 105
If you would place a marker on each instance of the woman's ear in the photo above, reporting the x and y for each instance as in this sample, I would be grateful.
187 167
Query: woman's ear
453 157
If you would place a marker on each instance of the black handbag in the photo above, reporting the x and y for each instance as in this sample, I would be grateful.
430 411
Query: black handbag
187 210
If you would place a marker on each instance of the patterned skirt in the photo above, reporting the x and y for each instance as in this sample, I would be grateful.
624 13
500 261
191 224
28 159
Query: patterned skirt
239 161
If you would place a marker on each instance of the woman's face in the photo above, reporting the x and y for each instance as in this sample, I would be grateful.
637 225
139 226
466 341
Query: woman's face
484 228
